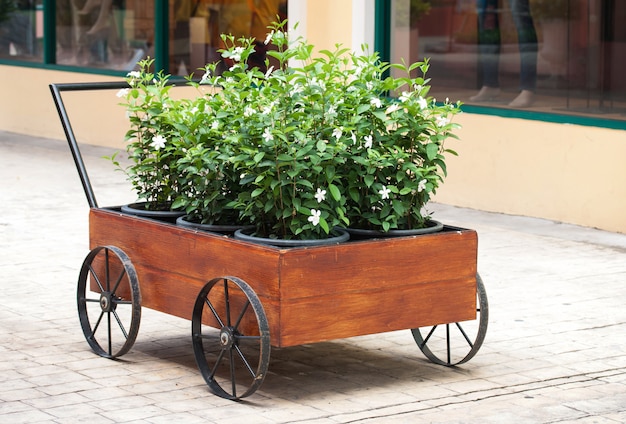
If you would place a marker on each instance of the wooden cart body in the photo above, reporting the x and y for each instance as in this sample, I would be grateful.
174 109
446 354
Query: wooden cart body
309 294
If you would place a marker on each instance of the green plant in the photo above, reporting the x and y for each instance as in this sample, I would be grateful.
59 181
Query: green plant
313 144
318 143
154 144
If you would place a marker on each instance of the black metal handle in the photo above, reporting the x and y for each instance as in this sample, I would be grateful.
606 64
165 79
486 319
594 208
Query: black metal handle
56 90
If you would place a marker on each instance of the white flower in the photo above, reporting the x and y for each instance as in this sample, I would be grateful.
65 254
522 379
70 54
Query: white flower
134 74
376 102
353 137
384 193
268 39
405 96
315 217
236 55
248 112
391 109
123 92
297 88
421 186
442 121
422 103
337 133
215 125
368 141
320 195
158 142
205 77
267 135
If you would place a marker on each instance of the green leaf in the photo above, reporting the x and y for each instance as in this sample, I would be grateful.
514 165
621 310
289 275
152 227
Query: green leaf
257 192
432 150
334 191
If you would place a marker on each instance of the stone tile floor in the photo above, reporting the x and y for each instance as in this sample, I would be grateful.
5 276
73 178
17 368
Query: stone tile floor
555 350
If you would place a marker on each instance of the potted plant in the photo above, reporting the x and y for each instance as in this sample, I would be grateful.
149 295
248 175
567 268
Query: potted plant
318 142
153 141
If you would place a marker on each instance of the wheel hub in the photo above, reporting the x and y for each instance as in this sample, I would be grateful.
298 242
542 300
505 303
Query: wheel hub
106 302
227 338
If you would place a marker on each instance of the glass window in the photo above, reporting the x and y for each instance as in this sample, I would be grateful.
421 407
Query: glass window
109 34
563 56
21 30
197 25
116 34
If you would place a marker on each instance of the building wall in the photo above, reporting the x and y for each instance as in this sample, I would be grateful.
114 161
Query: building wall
567 173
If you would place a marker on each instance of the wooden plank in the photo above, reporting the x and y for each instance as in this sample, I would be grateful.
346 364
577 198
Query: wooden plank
314 319
385 263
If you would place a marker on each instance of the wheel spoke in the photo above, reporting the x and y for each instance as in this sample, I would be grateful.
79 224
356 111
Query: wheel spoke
467 339
95 277
119 322
448 342
240 317
245 362
227 302
233 378
215 314
106 269
95 327
217 364
110 340
432 330
118 281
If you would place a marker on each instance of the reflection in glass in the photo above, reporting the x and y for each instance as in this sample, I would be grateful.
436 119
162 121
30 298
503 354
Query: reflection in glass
21 30
110 34
198 24
572 51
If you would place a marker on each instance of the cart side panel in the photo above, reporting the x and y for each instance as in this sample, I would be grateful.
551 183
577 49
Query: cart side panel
384 263
384 285
316 319
173 263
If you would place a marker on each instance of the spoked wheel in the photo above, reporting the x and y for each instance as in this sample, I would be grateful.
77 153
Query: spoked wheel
231 337
109 301
456 343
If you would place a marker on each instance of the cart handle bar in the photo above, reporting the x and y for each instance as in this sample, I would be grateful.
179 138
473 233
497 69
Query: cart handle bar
56 90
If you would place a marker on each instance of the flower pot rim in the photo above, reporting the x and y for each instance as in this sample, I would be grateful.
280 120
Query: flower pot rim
433 226
342 237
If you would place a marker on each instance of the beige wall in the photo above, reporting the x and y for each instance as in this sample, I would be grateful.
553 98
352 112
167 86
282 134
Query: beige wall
563 172
27 106
329 22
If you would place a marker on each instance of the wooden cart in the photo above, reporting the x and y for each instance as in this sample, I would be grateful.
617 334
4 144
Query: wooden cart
243 298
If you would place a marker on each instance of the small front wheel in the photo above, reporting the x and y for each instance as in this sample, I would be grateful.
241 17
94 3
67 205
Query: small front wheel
456 343
109 301
231 337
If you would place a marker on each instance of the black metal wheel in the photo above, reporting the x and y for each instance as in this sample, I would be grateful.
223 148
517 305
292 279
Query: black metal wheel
231 337
109 301
456 343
